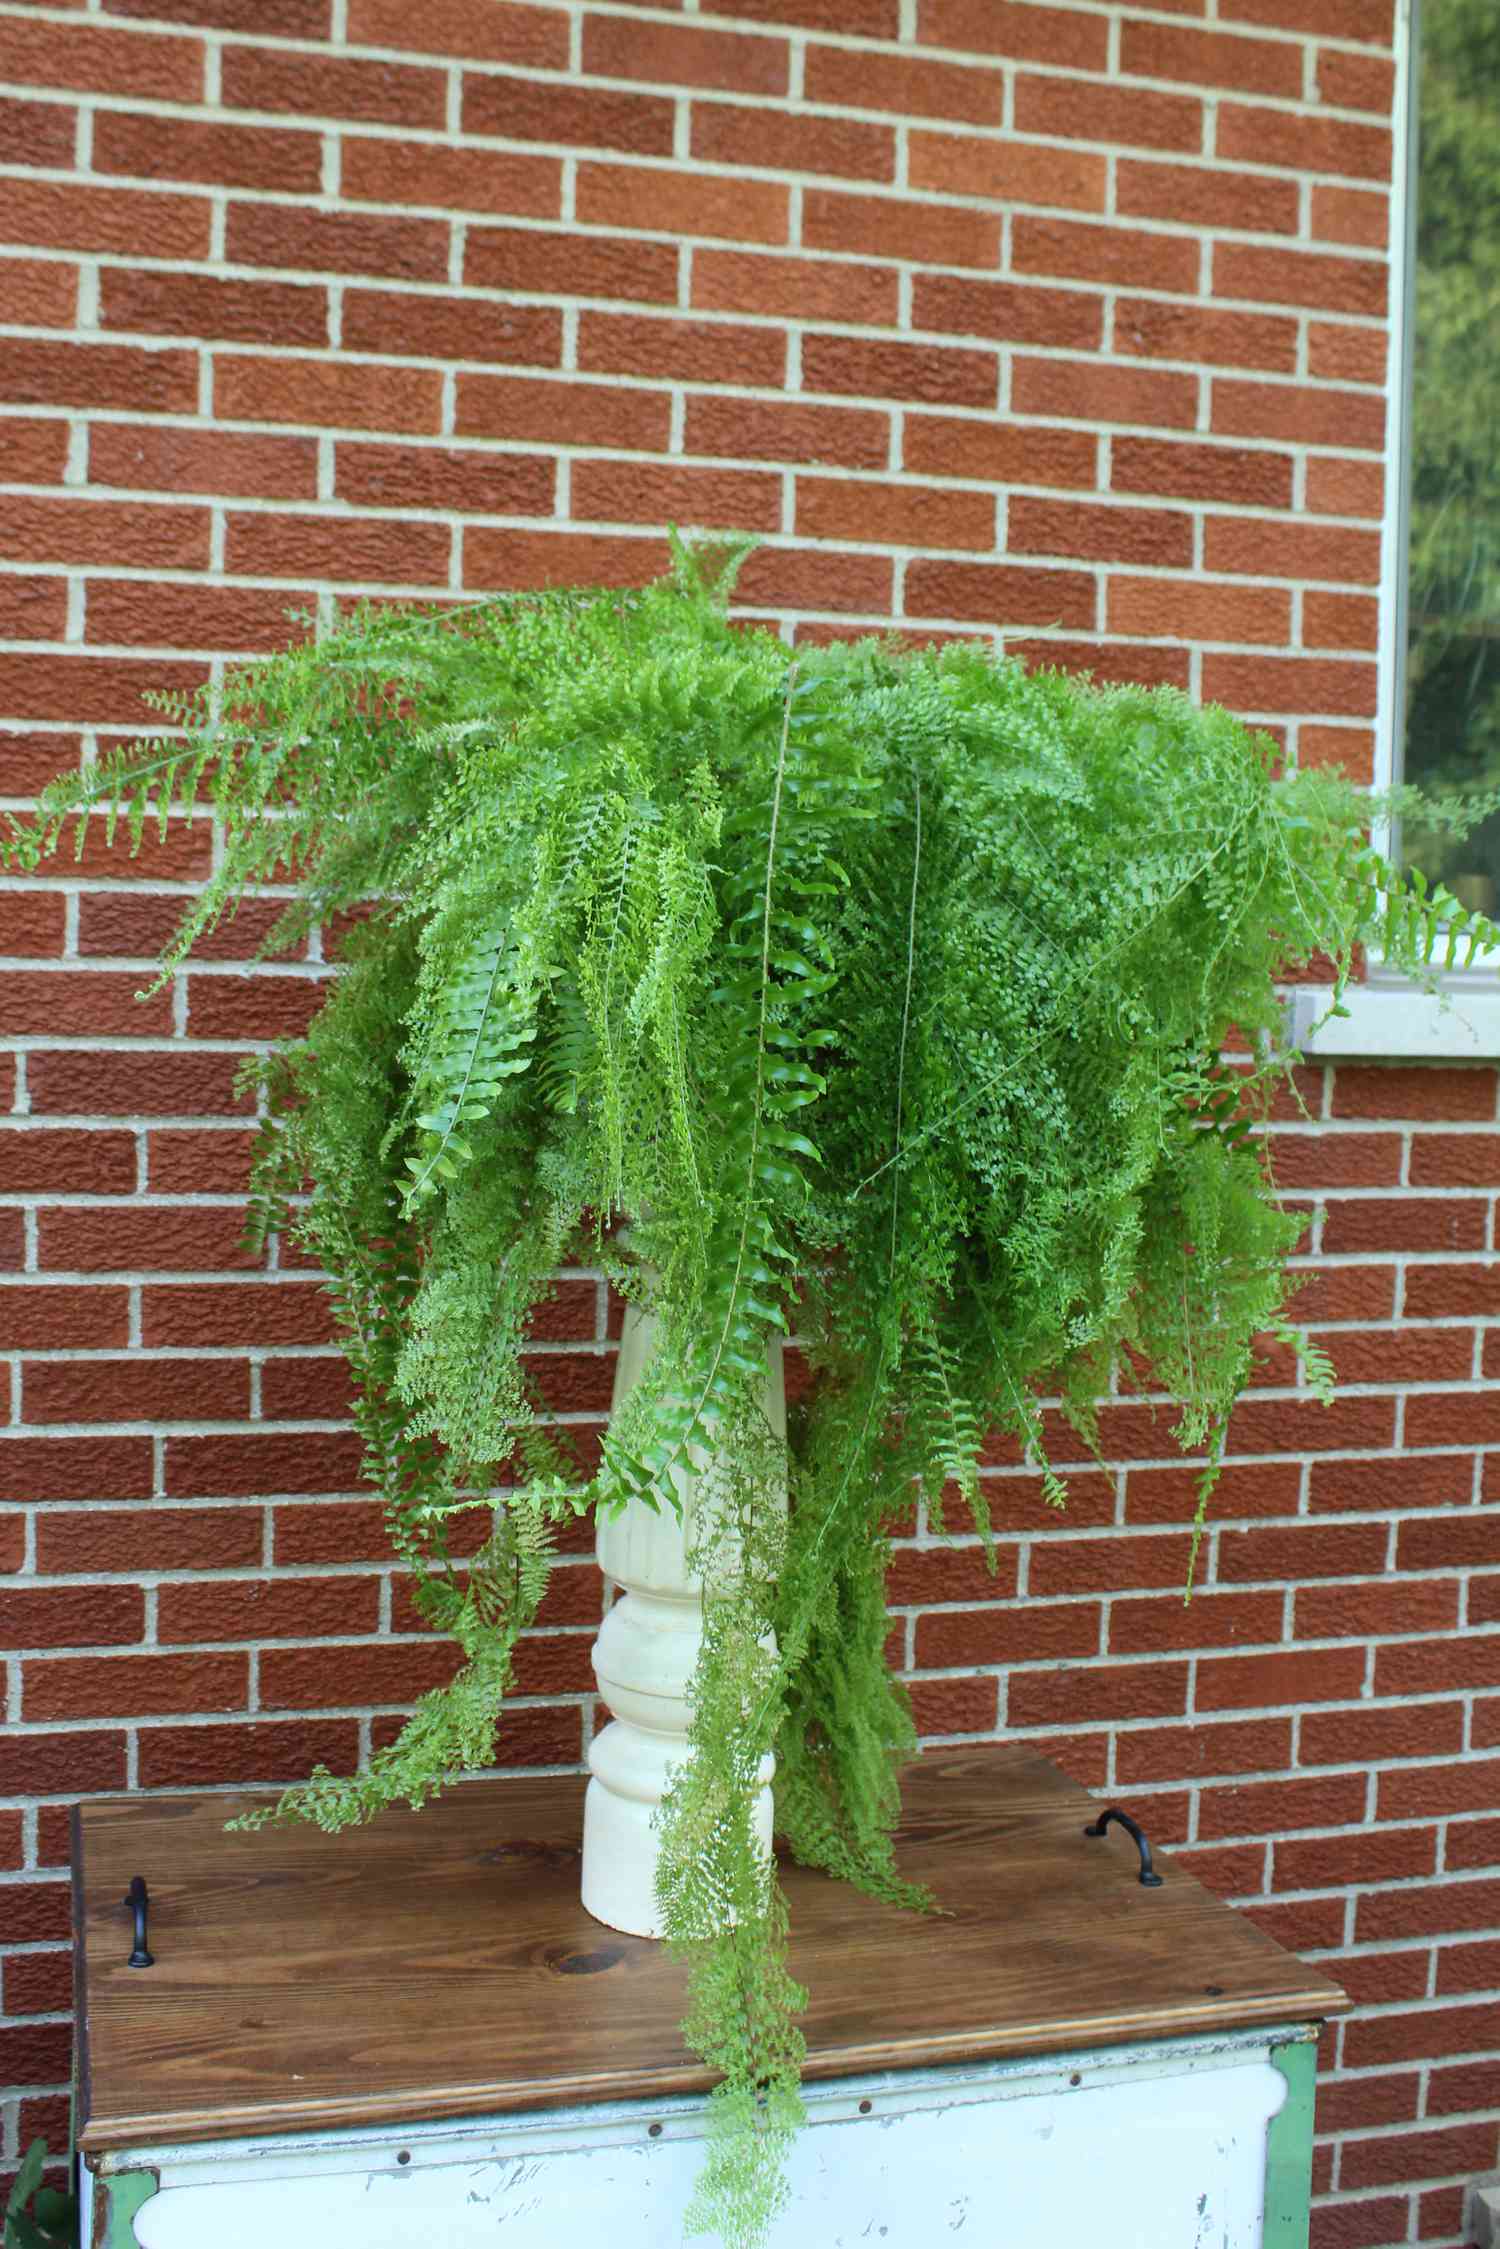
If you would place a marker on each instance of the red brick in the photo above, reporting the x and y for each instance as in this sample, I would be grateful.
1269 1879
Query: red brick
302 84
1291 683
1299 413
999 593
1380 1854
794 288
1346 749
39 1983
1085 390
1435 2032
297 1608
215 462
1293 1676
531 37
53 1318
492 180
125 1084
1279 276
199 1163
275 234
142 1240
1417 1091
595 265
1034 1633
1358 217
118 532
1209 1620
272 1461
1121 664
285 1312
109 1686
137 1388
1377 1979
70 1616
1340 621
1338 352
1235 339
106 1539
1119 257
331 1532
1199 610
471 329
1472 1844
154 613
1065 109
93 1163
307 1389
1414 1667
87 57
32 451
566 413
328 392
953 445
1462 1159
1473 2085
1347 1737
1355 81
32 609
874 19
921 1575
1333 1612
692 351
461 479
1289 1553
1344 2107
883 227
38 133
37 373
1300 142
157 303
1204 195
764 430
1066 1696
776 140
1434 1791
906 85
345 549
134 144
1400 1481
1457 1418
1300 1925
627 492
1068 40
232 1756
1204 58
39 293
64 215
586 116
684 203
1096 534
1158 466
1341 487
954 1706
956 304
663 54
518 559
295 19
1005 171
912 515
42 1469
1254 1489
41 1764
41 2054
1276 1807
326 1678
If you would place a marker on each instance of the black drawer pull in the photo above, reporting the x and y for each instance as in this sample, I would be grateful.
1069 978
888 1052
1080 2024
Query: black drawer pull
139 1902
1149 1878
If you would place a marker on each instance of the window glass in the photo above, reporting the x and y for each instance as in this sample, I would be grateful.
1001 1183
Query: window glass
1452 670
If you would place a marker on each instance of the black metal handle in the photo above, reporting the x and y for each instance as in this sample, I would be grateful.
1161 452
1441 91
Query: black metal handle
1150 1879
138 1899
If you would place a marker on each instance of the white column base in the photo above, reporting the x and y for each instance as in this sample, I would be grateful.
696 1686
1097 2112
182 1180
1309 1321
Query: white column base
644 1660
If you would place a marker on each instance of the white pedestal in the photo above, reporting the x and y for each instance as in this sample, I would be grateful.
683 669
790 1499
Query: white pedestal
644 1659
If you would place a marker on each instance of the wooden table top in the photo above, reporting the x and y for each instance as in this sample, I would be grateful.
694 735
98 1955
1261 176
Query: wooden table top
439 1964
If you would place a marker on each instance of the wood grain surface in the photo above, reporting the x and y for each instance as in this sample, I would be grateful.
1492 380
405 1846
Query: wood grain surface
439 1964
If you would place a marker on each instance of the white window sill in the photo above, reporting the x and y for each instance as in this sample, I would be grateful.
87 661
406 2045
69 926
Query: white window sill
1400 1023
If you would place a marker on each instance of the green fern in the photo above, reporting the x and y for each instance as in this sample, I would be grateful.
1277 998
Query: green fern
885 994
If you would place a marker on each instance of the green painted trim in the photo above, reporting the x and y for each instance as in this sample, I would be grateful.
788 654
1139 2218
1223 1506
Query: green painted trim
125 2192
1289 2146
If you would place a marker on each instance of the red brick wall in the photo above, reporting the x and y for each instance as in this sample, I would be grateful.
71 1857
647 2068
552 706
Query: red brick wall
1062 320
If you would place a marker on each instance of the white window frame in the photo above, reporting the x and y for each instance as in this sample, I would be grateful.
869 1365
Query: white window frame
1389 1017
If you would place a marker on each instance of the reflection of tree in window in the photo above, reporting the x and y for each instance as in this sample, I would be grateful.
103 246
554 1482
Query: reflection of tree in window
1453 656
